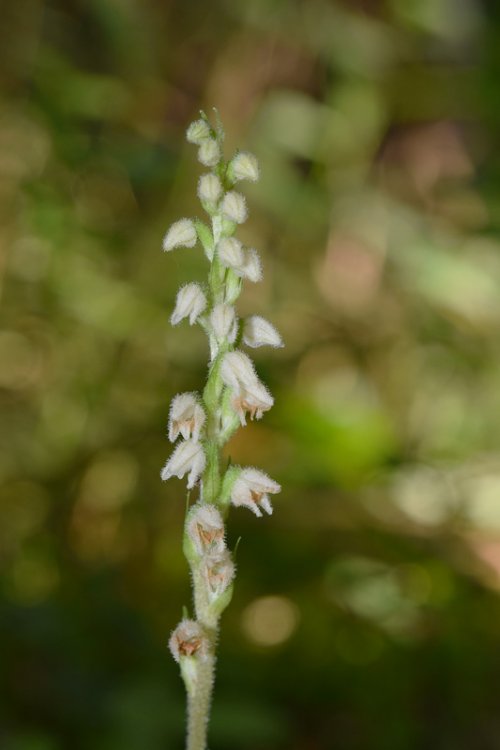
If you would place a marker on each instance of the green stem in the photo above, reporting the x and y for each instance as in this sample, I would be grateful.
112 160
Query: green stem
199 700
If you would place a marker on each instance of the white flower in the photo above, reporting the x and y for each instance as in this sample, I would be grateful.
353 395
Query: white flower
198 131
237 370
187 457
209 189
252 489
186 417
209 152
218 572
254 399
234 207
244 166
224 323
248 393
190 302
188 639
180 234
252 269
259 332
231 255
205 528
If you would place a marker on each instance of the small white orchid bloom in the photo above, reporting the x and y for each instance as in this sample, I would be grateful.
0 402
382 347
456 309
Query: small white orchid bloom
244 166
231 255
259 332
237 370
224 323
190 303
218 572
252 267
205 528
198 132
254 399
186 417
188 639
180 234
188 458
248 393
209 189
234 207
209 152
252 489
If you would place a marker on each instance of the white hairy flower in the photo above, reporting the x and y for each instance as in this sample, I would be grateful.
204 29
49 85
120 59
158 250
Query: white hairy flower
198 131
254 399
252 489
231 255
248 393
190 303
224 323
187 458
180 234
188 639
252 268
209 152
234 207
244 166
205 528
218 572
237 370
209 189
186 417
259 332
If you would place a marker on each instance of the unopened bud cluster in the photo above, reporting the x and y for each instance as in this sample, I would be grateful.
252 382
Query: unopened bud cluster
203 423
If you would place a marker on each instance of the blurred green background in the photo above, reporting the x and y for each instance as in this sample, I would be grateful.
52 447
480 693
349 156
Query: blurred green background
366 614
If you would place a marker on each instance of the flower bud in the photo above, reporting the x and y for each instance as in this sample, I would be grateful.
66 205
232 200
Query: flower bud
190 302
224 323
234 207
180 234
205 529
209 152
209 191
188 640
244 166
198 131
231 255
187 457
218 572
259 332
186 417
252 489
237 370
252 268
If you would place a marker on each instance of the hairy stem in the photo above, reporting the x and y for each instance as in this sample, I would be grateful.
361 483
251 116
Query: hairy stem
199 705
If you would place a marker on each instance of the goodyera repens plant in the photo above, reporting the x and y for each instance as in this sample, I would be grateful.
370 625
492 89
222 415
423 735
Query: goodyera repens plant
205 422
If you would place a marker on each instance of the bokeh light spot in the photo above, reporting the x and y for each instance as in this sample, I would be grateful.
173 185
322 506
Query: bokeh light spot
270 620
